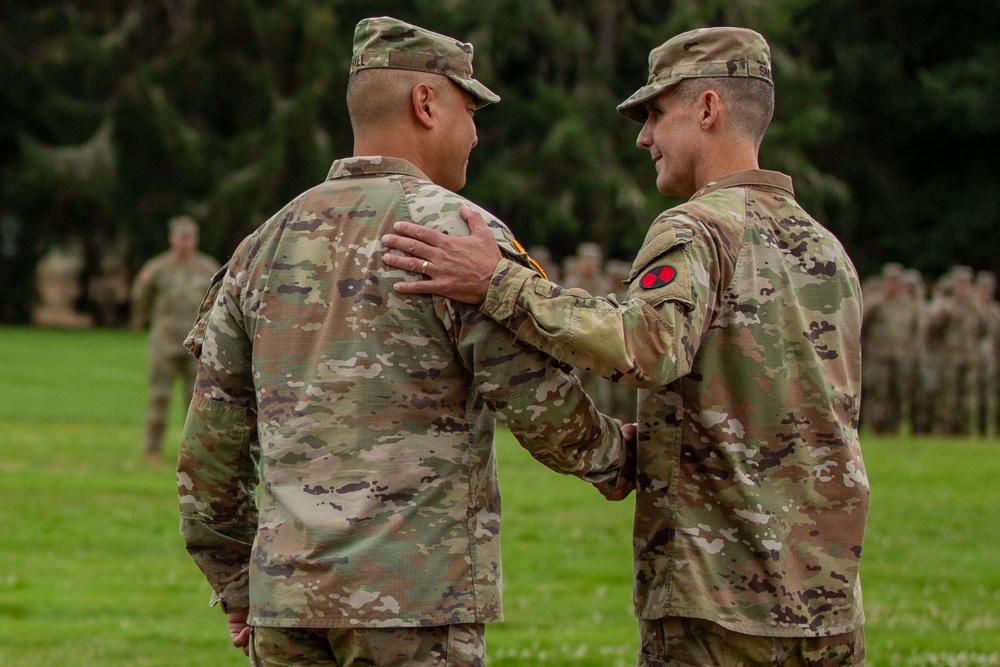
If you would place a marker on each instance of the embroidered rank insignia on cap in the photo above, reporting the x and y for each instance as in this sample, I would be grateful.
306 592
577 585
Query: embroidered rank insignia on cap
658 277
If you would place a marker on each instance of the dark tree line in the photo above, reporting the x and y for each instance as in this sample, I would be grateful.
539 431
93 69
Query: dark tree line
118 114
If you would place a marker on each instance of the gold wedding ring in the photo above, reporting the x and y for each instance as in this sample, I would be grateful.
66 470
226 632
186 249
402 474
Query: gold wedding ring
423 267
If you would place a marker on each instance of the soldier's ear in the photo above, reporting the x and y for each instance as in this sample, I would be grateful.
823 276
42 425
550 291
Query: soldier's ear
422 101
710 107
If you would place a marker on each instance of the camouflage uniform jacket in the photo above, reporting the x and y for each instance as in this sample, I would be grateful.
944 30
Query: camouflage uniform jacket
166 294
890 328
742 326
365 418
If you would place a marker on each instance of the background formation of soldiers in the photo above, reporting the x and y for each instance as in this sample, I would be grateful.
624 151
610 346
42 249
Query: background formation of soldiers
588 271
930 352
930 360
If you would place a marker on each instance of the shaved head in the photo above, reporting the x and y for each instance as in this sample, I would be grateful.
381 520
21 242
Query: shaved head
750 101
379 96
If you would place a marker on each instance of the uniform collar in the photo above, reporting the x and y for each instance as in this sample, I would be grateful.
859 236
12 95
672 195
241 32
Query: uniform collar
752 177
372 165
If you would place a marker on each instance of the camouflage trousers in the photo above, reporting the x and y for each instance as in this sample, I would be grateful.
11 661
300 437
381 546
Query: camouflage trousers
957 406
922 391
433 646
163 371
693 642
885 388
989 408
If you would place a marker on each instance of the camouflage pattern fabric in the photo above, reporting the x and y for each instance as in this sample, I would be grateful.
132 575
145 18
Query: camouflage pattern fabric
388 42
700 53
691 641
368 417
457 645
742 326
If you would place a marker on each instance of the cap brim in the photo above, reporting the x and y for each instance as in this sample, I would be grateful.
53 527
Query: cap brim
482 94
633 108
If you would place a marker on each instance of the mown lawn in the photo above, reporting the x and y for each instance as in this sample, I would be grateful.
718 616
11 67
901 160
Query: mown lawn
93 573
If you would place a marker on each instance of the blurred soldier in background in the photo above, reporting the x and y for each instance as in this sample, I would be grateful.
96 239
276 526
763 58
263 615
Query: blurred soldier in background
888 333
939 291
918 397
955 329
109 287
989 414
584 271
543 256
624 398
165 297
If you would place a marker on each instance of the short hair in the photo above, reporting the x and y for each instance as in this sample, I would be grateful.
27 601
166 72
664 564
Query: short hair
379 94
750 101
183 225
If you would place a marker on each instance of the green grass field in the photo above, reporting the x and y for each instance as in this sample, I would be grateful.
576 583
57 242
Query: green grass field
93 572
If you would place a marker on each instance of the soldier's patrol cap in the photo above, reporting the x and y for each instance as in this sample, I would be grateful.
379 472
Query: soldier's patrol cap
390 43
183 225
701 53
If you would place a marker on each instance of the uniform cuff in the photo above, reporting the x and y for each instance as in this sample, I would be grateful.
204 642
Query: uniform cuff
501 297
234 598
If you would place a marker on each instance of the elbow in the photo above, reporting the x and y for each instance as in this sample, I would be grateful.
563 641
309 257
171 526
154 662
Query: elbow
655 371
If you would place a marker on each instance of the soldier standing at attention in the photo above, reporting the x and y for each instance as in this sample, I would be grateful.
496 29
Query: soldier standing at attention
742 327
365 418
955 329
889 333
165 297
989 382
922 377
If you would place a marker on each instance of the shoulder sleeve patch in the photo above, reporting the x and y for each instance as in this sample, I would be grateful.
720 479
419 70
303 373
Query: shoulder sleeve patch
658 276
662 270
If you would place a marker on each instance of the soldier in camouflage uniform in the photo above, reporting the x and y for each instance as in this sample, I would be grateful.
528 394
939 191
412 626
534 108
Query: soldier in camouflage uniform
888 333
955 327
742 327
921 378
366 419
165 297
584 271
989 386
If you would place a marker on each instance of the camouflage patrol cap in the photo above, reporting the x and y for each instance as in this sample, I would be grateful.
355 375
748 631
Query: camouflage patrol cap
701 53
393 44
183 225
